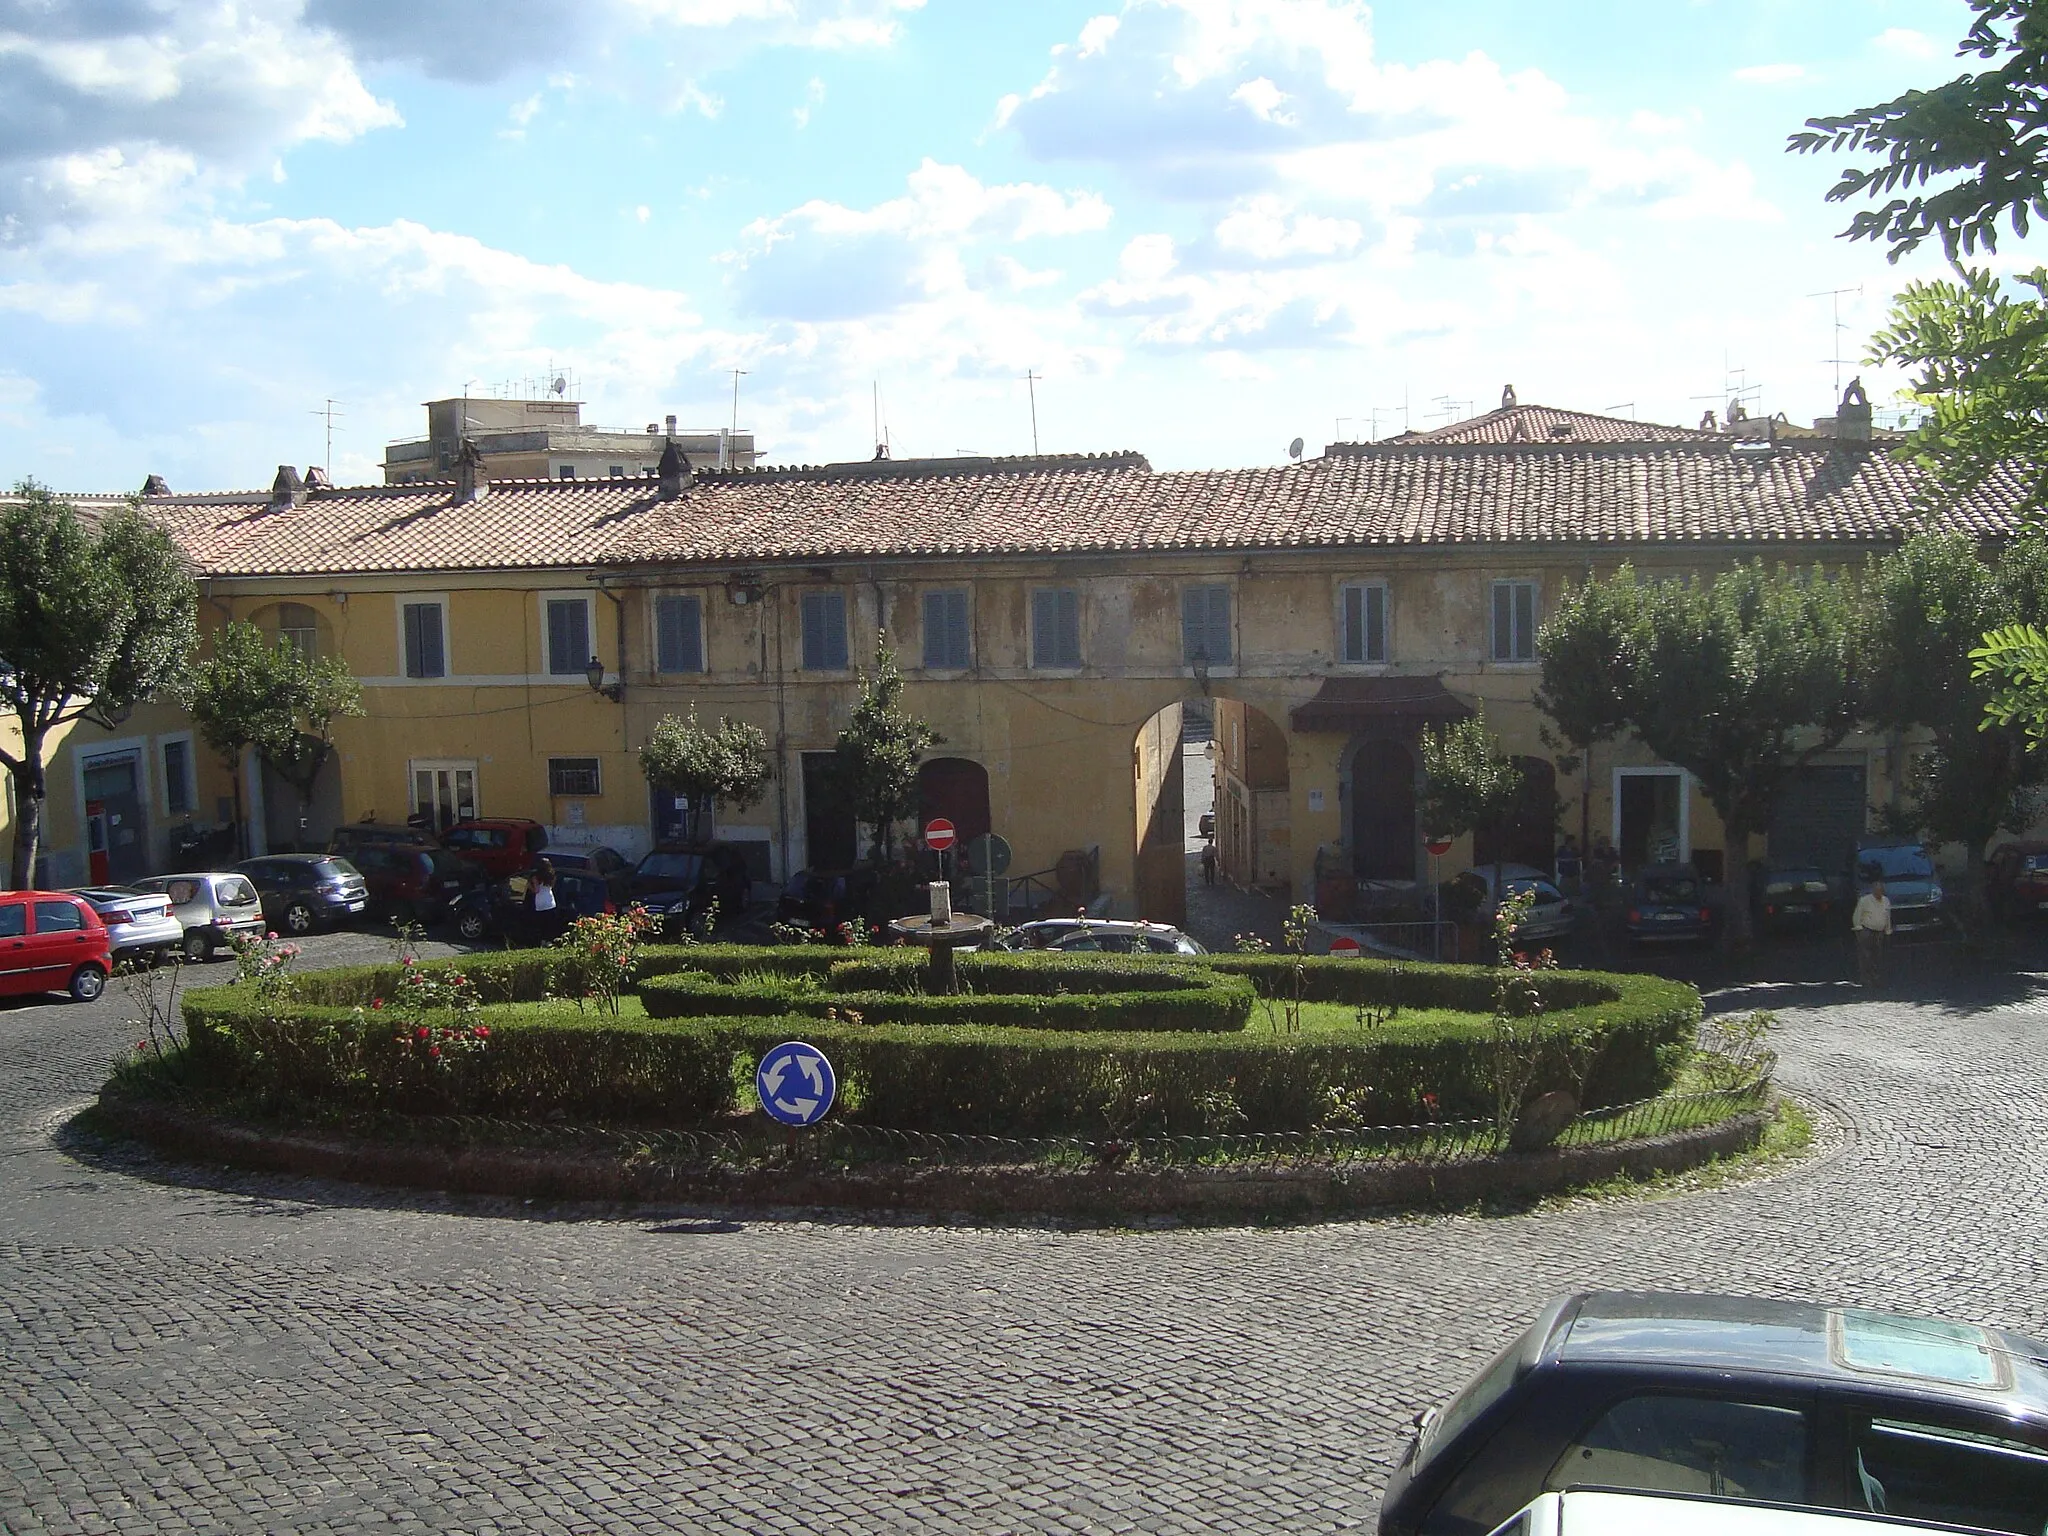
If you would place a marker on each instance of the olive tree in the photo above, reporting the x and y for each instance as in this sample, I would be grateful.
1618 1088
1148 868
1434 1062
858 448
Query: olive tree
726 762
878 751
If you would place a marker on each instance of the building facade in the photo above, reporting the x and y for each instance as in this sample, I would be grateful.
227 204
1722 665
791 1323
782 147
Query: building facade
518 642
545 439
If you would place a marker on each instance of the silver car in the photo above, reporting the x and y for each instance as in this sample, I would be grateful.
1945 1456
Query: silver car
211 909
1071 935
138 922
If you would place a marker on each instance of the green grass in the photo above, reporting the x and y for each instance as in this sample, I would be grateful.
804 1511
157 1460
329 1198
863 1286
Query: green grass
1341 1020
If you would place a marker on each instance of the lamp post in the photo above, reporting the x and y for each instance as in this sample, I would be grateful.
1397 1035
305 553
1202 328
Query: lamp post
593 674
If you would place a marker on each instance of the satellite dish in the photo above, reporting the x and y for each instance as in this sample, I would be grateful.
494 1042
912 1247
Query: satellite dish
561 385
1294 449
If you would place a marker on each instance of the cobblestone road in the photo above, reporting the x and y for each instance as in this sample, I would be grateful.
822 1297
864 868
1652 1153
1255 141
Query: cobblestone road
286 1356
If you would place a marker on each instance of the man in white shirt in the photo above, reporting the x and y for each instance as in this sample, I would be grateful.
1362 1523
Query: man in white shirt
1872 922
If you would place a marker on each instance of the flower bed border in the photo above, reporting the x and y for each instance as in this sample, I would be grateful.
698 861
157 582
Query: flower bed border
1119 1196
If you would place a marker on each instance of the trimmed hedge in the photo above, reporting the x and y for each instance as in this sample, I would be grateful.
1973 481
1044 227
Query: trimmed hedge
1465 988
1162 1001
551 1060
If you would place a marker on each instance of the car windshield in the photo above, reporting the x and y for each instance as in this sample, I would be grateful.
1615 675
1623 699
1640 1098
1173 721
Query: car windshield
1894 864
1794 880
1545 891
671 866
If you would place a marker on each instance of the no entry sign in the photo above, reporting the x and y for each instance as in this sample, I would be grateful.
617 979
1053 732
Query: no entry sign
1344 944
939 834
1437 846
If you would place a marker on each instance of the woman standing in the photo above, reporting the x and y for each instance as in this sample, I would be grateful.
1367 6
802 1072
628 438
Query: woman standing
545 914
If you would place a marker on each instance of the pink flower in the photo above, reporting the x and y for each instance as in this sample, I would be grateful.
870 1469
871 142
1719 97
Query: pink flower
434 1050
271 935
420 1033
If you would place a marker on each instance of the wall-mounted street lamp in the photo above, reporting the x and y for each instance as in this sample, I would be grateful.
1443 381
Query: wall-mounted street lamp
593 674
1200 662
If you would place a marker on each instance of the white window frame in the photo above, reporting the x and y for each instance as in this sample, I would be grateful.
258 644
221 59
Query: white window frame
589 601
703 630
400 601
1493 587
415 766
1386 592
191 774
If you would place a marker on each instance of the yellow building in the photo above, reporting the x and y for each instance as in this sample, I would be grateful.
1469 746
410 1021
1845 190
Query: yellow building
1052 615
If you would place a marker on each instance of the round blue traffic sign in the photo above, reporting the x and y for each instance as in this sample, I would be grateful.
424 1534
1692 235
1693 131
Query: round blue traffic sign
796 1083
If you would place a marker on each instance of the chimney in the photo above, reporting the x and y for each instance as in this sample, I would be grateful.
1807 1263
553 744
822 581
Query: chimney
287 490
316 479
1852 416
1708 424
1507 398
671 425
471 483
724 450
675 472
156 485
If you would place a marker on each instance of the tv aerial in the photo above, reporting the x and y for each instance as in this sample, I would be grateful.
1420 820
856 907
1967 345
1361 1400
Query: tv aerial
1294 449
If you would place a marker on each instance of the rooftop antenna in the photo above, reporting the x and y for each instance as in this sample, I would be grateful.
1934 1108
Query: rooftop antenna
1834 296
329 412
1031 384
737 375
1626 405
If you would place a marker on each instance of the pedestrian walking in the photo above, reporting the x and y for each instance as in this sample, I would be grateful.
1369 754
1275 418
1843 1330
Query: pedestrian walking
1208 864
1872 922
546 917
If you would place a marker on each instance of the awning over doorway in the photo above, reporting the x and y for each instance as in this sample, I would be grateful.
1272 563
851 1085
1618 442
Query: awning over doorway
1346 703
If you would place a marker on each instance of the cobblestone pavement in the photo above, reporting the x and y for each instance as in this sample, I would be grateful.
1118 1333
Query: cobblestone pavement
182 1351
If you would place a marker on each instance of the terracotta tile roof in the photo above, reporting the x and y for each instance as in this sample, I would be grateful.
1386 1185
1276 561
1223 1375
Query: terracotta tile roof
1713 491
1548 424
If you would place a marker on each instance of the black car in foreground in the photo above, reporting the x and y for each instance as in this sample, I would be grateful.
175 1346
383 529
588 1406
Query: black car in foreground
302 892
1785 1402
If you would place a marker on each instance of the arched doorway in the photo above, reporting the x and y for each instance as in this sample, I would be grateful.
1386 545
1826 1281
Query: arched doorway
1531 837
1211 779
1384 837
957 789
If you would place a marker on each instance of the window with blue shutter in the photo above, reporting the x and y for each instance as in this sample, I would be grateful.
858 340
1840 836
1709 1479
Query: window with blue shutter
424 655
679 634
824 615
1514 621
568 635
1205 624
1365 623
1056 627
946 645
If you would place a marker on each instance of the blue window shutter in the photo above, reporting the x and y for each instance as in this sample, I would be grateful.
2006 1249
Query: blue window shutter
1525 621
423 656
568 635
1045 625
824 631
959 649
1069 627
1375 624
1205 623
1354 623
1503 622
935 636
679 640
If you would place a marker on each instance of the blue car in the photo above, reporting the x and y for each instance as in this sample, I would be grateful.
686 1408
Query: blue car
1668 904
1842 1408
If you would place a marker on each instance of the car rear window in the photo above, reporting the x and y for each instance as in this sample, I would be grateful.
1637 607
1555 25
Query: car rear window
331 868
234 891
1672 888
2034 862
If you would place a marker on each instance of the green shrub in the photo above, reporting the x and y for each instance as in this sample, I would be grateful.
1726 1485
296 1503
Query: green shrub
1468 989
1178 999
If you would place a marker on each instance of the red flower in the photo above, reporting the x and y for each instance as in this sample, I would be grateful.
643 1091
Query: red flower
376 1002
420 1033
433 1050
482 1031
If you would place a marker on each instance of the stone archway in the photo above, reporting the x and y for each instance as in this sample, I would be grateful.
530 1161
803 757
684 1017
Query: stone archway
1182 754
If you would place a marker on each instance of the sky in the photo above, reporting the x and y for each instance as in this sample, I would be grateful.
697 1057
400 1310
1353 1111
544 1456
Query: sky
1194 228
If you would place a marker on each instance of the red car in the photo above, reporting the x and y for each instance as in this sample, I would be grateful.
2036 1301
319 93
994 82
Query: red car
502 845
52 942
2017 881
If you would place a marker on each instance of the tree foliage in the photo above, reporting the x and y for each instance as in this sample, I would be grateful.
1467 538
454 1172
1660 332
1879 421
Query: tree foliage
1955 159
1741 681
1979 359
1922 610
92 620
879 750
1469 782
269 695
726 762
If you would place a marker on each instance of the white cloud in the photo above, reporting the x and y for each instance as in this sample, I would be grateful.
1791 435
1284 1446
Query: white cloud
814 98
1905 43
1771 74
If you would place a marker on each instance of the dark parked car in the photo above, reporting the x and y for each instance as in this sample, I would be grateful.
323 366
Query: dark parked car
607 864
1790 895
347 838
2016 884
1910 882
497 909
414 885
825 898
1782 1402
678 884
301 892
1668 904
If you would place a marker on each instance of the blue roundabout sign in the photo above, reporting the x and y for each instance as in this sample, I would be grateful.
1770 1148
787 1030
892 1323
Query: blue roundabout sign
796 1084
